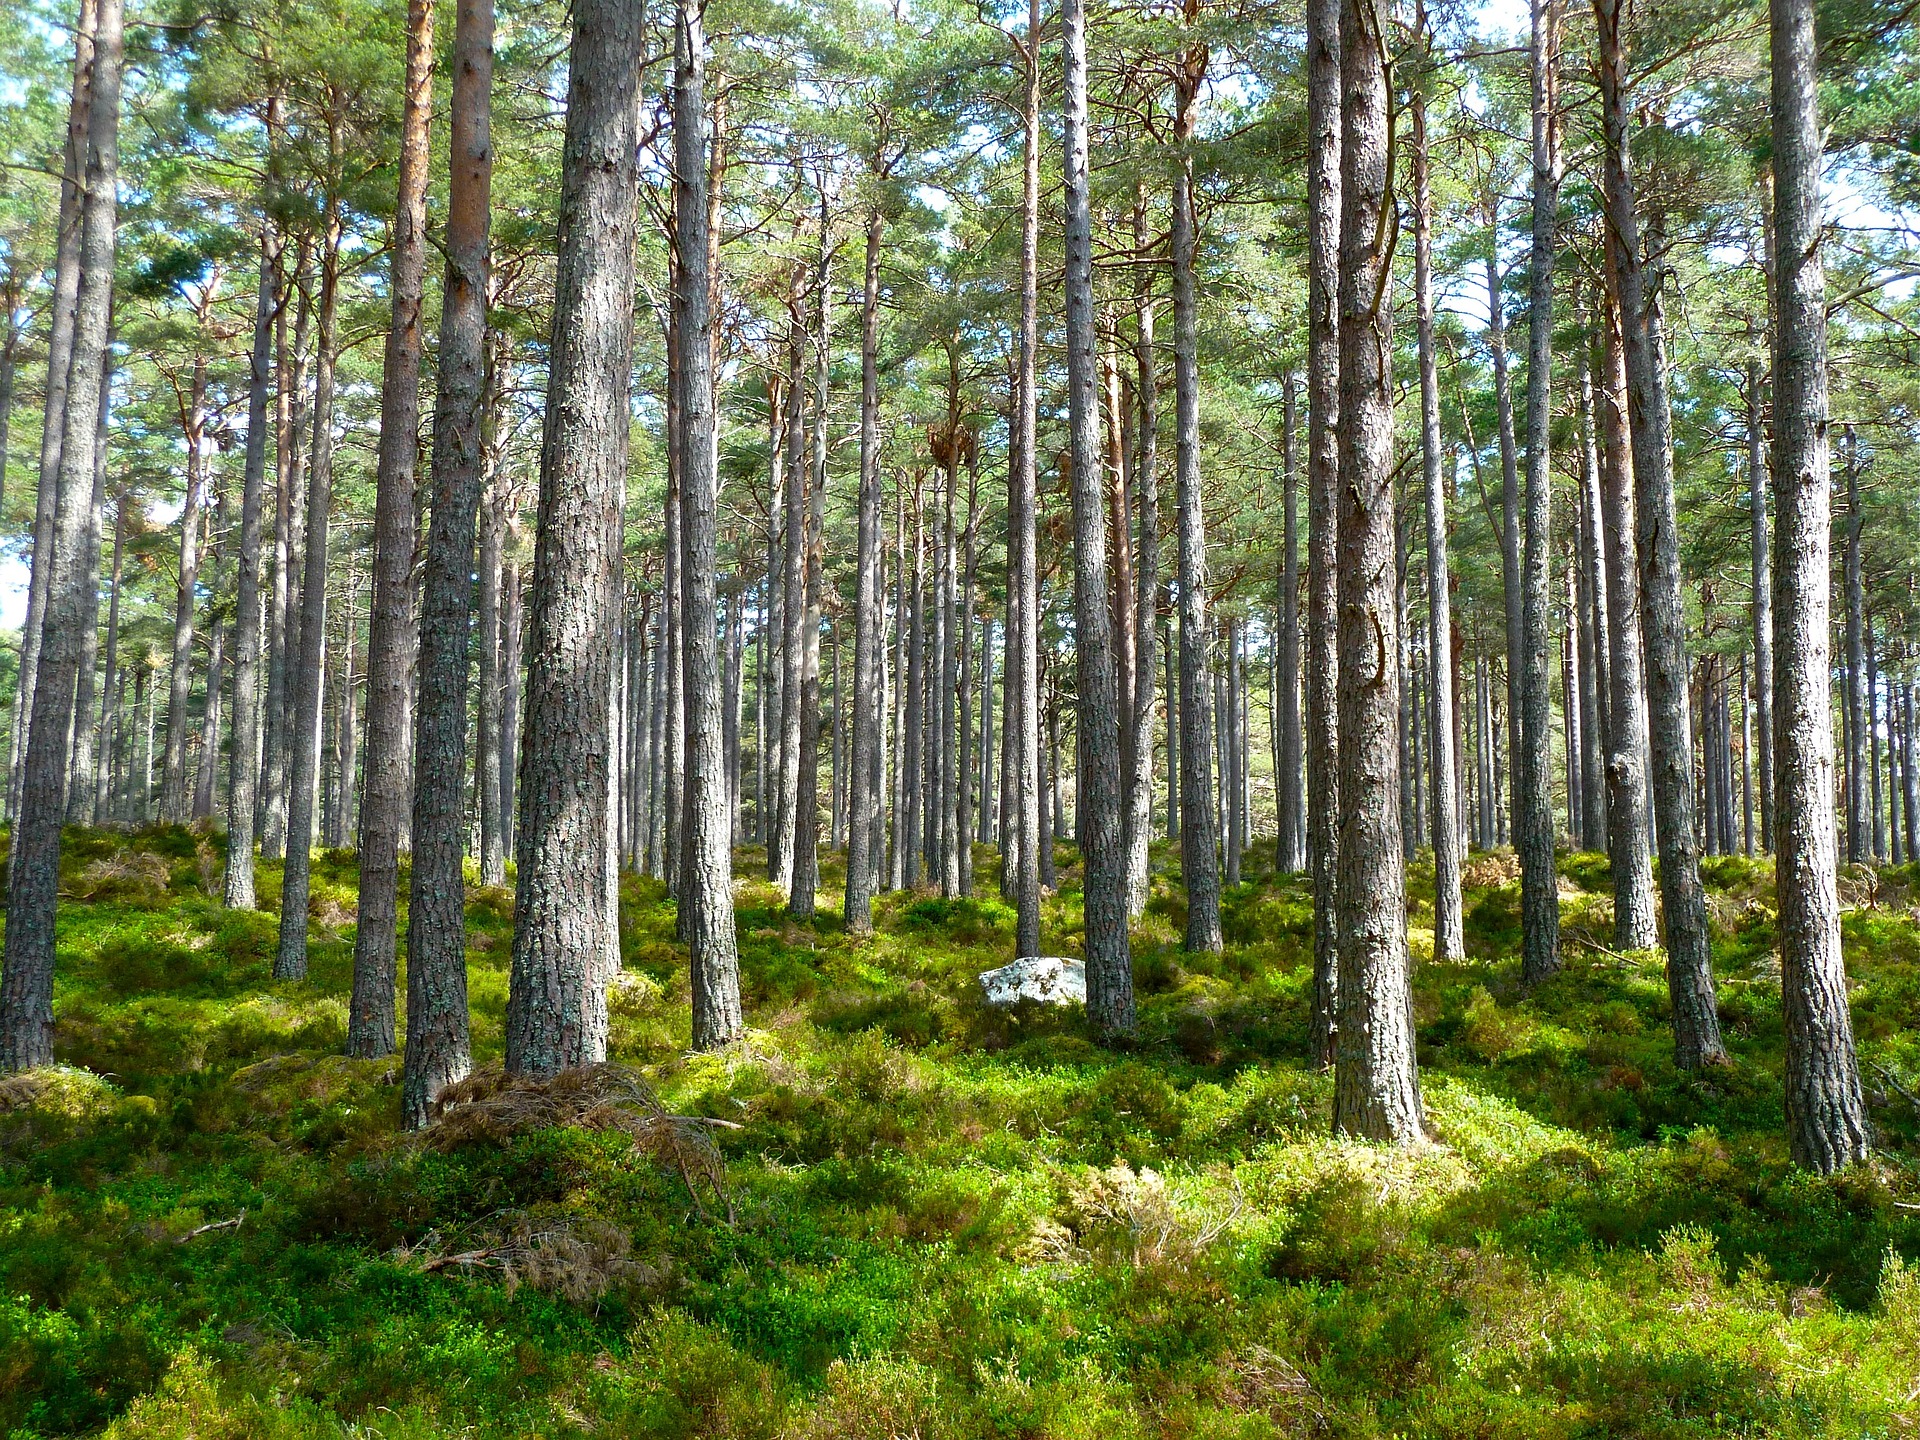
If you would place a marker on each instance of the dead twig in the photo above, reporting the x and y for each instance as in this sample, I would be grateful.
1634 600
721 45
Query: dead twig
209 1228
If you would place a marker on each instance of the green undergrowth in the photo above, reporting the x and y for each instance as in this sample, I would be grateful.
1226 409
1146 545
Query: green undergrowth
938 1220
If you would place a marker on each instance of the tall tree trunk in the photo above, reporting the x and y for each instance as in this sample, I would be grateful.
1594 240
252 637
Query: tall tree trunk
707 892
963 626
1199 862
1324 215
1629 812
1288 798
112 682
556 1003
1826 1120
391 629
1533 801
1595 626
1689 952
244 762
284 609
439 1051
33 870
80 782
1449 943
1144 475
1856 691
1021 687
1097 787
1510 583
307 670
806 830
780 858
63 309
1762 596
174 799
866 777
1376 1092
493 536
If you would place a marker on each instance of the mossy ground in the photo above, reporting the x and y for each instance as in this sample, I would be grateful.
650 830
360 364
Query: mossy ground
948 1221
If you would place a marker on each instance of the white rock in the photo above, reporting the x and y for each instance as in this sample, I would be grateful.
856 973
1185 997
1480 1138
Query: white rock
1044 979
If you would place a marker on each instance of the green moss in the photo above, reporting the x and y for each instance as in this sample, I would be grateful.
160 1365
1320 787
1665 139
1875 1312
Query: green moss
949 1220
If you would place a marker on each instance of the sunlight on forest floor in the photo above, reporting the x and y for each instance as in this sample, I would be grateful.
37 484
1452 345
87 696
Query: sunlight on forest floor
946 1220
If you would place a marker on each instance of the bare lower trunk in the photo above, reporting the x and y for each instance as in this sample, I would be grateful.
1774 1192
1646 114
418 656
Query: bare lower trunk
707 892
1533 807
1376 1092
306 671
1762 597
1324 180
556 1005
438 1049
80 781
1826 1120
390 625
865 814
243 773
1097 786
1448 938
1290 853
33 870
1199 843
174 799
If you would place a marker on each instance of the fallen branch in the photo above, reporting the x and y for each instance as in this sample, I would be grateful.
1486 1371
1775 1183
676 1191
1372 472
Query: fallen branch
1894 1085
208 1229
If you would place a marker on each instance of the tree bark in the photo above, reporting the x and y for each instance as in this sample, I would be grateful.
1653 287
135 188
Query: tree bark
81 770
1097 787
174 799
1144 477
305 677
1376 1092
806 829
33 870
1826 1120
866 817
391 630
1762 596
556 1005
707 892
438 1048
1290 853
1324 215
1856 668
1199 860
1449 943
1532 770
1021 732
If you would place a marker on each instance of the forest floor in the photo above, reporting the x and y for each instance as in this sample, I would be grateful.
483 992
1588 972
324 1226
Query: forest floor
938 1220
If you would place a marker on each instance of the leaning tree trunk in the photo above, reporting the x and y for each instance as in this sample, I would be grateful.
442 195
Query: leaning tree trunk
556 1004
390 627
306 668
1098 797
1449 941
33 871
1696 1027
1826 1120
864 813
1324 216
1376 1091
1199 860
438 1048
1532 770
707 891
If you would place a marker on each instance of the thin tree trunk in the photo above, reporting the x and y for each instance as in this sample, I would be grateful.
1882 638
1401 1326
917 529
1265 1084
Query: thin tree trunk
81 771
306 677
493 535
289 384
174 798
1324 214
1826 1119
112 682
1762 597
707 892
33 870
63 308
1376 1078
780 859
806 830
1199 843
1288 799
391 630
1449 941
1629 812
1856 698
556 1003
1510 583
963 625
1595 626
